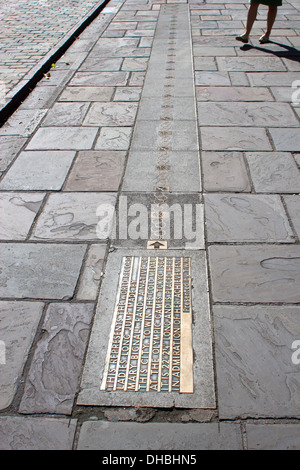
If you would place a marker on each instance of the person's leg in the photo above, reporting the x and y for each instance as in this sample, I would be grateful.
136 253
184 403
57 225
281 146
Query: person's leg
251 17
270 22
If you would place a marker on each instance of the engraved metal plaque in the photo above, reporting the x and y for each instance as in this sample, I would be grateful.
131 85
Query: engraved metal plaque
150 345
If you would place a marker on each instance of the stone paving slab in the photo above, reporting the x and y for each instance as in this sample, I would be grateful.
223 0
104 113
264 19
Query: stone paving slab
19 322
100 435
36 433
255 372
273 436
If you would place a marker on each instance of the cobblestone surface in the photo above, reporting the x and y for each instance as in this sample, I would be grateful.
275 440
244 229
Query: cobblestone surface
30 31
90 130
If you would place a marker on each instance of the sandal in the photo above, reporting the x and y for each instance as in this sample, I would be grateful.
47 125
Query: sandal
264 39
243 38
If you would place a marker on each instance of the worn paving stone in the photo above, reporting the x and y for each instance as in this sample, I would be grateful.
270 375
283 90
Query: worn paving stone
96 171
224 171
111 114
249 64
270 172
283 436
66 114
18 433
92 273
129 93
38 170
212 79
258 273
23 122
98 64
253 114
10 146
73 216
40 271
63 138
286 139
246 218
293 207
234 93
18 211
239 138
87 93
100 79
114 138
19 321
182 109
101 435
214 51
255 374
142 174
52 380
272 78
41 97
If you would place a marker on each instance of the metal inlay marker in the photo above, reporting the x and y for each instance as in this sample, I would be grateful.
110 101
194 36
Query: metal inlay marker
150 347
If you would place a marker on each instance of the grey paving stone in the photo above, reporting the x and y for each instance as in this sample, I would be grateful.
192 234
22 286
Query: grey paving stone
205 63
18 433
214 51
41 97
224 171
111 114
286 139
114 138
183 109
38 170
273 172
40 271
203 396
273 436
239 138
249 64
100 435
53 377
97 64
63 138
212 79
258 273
234 93
96 171
10 146
19 321
146 135
66 114
23 122
135 63
272 78
92 273
73 216
293 207
18 211
246 218
142 174
129 93
88 93
246 114
255 374
100 79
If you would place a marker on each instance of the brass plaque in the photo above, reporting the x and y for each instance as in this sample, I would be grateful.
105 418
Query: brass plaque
150 346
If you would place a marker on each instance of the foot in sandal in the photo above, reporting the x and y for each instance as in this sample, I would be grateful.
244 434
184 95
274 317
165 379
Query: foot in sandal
243 38
264 39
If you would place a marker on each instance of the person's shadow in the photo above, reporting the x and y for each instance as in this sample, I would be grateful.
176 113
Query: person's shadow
290 53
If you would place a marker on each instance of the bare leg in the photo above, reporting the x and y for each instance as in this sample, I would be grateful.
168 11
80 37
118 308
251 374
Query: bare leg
270 21
251 17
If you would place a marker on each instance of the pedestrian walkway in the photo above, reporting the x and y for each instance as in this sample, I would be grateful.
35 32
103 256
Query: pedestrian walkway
150 281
